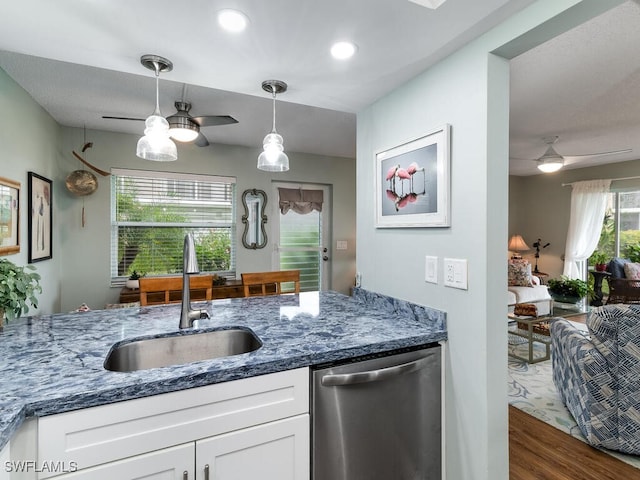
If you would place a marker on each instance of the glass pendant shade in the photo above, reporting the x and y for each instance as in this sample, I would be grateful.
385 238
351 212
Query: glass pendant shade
156 144
273 158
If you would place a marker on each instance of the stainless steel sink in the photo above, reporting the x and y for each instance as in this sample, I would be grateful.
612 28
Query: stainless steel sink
179 349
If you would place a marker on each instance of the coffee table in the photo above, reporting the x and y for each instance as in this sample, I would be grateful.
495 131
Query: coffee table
535 331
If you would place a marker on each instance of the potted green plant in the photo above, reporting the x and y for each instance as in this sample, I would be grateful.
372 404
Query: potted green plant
18 288
567 290
134 280
599 260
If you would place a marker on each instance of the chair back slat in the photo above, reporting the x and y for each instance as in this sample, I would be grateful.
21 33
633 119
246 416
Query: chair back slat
273 280
168 285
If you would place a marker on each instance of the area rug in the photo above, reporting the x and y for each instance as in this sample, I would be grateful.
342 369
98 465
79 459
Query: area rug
531 390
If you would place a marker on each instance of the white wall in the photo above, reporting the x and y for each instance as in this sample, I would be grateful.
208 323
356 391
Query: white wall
85 274
29 142
468 90
539 207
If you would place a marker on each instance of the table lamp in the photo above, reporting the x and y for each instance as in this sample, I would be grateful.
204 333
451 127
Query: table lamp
517 245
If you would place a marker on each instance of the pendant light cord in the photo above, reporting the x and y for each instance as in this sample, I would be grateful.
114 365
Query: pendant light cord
157 70
274 108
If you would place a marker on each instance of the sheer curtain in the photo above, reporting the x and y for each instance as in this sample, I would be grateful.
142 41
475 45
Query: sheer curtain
588 205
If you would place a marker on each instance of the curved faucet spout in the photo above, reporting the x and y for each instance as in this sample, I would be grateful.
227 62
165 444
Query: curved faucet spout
189 266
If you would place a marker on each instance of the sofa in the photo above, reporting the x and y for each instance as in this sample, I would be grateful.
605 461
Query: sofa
523 287
598 375
624 284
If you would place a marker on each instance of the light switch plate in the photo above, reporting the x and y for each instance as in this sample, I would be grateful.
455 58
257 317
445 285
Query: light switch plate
455 273
341 245
431 269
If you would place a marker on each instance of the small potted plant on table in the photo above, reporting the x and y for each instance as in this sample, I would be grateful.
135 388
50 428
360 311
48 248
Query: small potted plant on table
567 290
134 280
599 260
17 288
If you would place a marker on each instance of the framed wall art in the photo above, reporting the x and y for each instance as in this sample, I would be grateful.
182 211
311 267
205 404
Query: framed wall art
9 216
40 218
412 182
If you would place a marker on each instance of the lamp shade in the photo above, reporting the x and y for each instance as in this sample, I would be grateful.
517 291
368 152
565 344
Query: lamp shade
273 158
156 144
517 244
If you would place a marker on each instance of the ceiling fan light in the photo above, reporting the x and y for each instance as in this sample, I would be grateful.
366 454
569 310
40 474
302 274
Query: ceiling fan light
273 158
156 144
182 129
550 166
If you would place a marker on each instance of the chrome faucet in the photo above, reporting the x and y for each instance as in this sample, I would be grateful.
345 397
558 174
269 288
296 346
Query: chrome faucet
189 266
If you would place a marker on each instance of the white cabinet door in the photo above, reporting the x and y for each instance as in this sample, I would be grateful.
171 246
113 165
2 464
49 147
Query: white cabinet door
176 463
272 451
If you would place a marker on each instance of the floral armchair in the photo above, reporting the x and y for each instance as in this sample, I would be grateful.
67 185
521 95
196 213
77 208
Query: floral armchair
624 282
597 375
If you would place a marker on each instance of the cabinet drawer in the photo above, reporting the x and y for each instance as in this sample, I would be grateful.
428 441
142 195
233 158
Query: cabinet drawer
102 434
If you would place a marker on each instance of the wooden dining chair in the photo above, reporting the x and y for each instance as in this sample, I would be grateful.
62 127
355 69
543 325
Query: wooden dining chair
270 283
169 289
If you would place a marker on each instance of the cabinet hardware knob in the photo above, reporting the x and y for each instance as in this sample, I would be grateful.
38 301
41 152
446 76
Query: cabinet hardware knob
206 472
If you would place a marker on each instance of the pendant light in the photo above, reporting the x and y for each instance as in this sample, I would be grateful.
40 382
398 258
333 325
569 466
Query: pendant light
156 144
273 158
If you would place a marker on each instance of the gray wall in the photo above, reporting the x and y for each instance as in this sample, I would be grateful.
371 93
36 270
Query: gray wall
468 90
30 142
539 207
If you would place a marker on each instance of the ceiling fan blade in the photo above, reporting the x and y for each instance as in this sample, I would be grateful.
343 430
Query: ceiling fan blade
600 154
124 118
213 120
201 140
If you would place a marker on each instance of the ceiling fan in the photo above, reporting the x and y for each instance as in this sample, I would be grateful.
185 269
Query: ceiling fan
185 128
552 161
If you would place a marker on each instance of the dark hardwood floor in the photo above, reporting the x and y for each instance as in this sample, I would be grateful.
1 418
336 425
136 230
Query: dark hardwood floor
538 451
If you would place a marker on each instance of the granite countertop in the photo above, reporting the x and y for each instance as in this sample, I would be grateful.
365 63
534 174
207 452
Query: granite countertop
53 364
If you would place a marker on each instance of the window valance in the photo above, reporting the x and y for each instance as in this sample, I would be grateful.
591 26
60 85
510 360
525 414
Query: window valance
299 200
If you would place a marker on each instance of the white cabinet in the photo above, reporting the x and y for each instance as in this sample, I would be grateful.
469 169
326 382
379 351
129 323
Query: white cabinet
259 424
274 451
165 464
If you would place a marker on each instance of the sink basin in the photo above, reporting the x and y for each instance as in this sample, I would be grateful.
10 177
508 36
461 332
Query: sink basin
179 349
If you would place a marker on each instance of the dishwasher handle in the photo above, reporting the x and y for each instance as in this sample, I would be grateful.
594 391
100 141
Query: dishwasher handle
379 375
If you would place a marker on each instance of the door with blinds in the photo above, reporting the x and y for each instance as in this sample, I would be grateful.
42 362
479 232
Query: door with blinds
301 232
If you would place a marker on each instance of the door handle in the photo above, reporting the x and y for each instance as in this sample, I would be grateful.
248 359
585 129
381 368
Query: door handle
336 380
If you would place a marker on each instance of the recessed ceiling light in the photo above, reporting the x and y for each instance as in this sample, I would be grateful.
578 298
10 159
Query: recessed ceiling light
232 20
343 50
433 4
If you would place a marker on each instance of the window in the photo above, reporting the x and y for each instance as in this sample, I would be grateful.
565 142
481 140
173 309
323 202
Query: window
621 227
152 211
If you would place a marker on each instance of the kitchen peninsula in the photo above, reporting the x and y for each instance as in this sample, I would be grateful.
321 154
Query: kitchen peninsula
54 364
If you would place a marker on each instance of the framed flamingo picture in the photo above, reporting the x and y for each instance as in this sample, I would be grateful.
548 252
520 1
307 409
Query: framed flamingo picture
412 182
40 218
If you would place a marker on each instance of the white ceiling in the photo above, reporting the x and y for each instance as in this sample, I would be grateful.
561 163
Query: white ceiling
583 86
79 59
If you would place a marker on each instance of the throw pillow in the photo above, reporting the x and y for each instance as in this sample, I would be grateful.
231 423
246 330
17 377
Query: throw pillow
519 274
632 272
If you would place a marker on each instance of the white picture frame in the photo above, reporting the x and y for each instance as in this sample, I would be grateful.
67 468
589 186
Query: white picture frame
413 182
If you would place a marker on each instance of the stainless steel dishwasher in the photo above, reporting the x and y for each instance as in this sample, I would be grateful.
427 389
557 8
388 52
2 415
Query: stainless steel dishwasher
378 419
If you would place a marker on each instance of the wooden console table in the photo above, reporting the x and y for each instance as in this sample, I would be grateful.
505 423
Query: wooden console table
231 289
